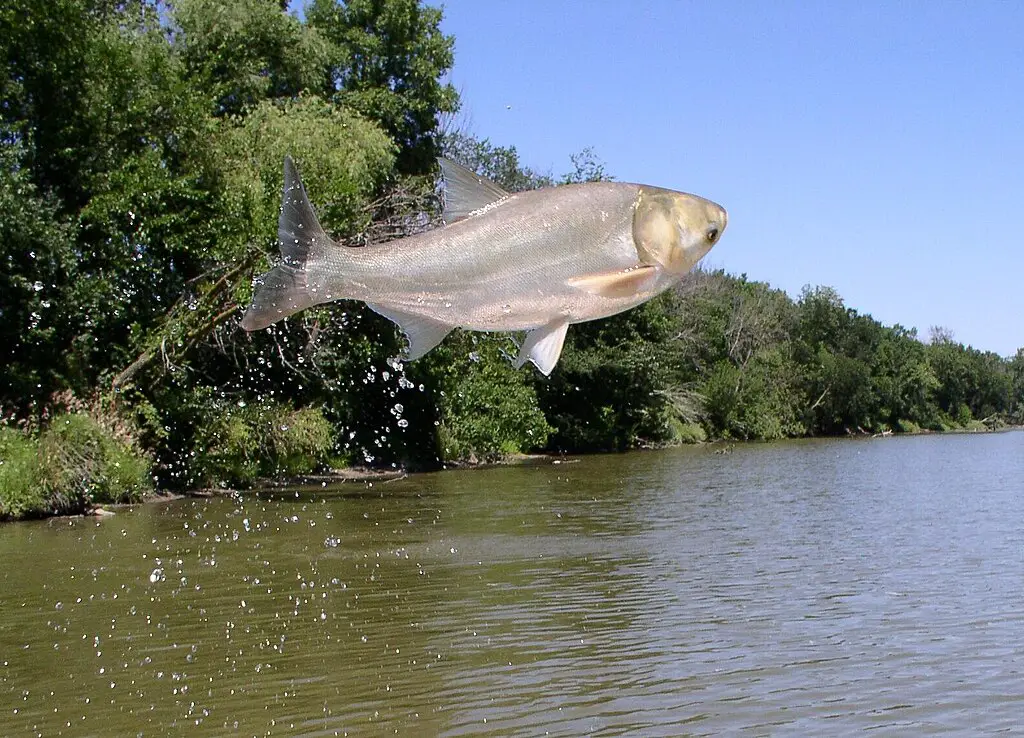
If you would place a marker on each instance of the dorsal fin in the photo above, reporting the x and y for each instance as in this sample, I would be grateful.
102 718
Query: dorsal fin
465 191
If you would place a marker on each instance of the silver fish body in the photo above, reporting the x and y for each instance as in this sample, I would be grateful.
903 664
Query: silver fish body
534 261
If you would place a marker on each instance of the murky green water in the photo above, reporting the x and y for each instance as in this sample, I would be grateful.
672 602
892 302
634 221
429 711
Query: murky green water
800 588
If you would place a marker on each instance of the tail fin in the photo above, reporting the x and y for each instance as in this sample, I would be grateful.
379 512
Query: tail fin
284 290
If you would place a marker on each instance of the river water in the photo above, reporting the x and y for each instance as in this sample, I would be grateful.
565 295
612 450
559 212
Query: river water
801 588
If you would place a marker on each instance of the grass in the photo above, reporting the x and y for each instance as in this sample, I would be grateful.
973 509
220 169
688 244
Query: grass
20 473
687 432
70 467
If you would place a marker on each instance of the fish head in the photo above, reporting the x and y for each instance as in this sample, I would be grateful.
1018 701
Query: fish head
675 230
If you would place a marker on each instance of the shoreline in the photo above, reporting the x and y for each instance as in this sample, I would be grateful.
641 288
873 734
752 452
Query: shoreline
369 474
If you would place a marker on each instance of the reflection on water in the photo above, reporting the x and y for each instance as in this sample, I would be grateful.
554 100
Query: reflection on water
804 588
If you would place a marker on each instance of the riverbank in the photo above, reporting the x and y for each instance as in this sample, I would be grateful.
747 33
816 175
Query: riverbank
19 502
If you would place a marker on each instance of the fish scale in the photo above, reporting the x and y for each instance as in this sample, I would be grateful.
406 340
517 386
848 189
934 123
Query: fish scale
515 256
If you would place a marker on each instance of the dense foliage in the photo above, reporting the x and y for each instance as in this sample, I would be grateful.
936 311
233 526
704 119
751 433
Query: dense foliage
140 171
74 465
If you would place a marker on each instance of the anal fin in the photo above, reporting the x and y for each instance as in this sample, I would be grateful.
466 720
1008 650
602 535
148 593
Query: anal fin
423 333
619 283
543 346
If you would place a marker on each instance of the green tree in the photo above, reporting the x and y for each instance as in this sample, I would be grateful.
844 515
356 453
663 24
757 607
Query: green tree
1017 388
245 52
387 61
972 384
89 97
37 270
142 147
608 390
500 164
835 348
732 339
903 379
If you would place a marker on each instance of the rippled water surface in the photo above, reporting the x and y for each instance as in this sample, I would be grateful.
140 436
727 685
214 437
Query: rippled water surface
809 588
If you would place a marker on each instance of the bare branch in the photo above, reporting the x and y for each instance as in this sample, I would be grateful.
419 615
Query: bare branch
820 399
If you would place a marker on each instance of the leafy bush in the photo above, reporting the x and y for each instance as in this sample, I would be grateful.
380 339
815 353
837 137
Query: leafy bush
72 465
84 464
236 445
20 472
963 416
908 426
687 432
487 409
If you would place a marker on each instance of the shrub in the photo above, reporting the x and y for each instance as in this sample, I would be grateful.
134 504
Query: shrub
84 464
963 416
908 426
487 409
20 474
300 440
687 432
236 445
72 465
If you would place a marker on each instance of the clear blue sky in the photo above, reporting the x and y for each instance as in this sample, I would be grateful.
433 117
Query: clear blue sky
874 147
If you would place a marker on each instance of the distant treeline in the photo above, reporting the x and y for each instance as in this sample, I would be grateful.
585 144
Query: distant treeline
141 146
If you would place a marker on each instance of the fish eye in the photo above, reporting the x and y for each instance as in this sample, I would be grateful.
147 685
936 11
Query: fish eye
711 234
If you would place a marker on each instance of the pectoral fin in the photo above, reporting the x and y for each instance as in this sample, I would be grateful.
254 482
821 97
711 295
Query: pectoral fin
620 283
423 333
543 346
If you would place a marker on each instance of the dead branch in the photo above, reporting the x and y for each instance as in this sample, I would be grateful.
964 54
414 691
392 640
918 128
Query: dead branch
820 399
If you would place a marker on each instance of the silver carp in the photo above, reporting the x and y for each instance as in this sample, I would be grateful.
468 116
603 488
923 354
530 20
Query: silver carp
533 261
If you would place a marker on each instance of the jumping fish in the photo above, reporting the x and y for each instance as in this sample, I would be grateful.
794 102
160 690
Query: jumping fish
532 261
